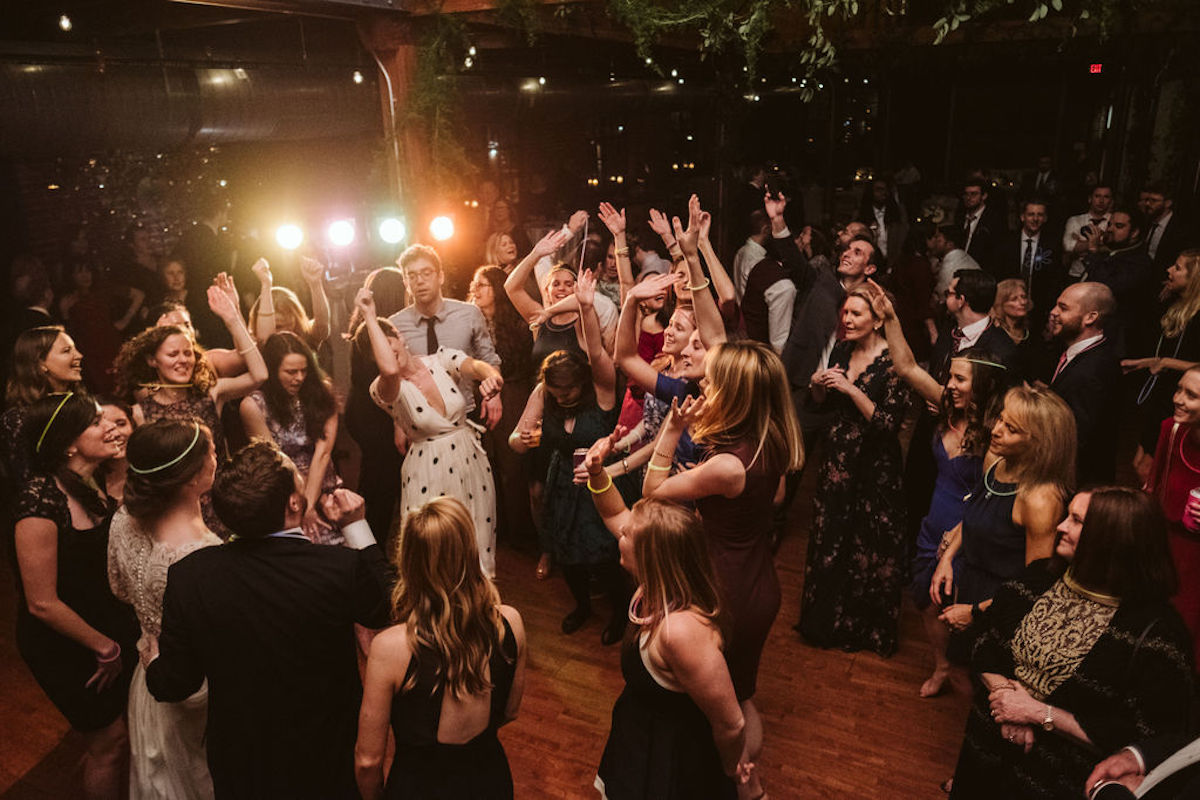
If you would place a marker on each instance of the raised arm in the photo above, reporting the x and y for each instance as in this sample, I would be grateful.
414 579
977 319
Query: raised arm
722 474
615 222
264 317
708 316
784 247
222 300
604 376
722 283
626 351
314 276
381 349
514 284
902 356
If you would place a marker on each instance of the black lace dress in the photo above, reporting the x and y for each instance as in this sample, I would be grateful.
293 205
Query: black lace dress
427 769
61 665
857 552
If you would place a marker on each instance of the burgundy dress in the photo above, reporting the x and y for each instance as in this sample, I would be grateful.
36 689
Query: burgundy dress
739 542
1175 473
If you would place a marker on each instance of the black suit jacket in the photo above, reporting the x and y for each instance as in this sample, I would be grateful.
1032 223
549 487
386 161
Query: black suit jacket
270 623
1048 277
985 243
1090 384
1177 237
993 340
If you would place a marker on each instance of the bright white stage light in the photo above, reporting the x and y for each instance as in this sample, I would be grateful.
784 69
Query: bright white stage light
341 232
441 228
289 237
391 230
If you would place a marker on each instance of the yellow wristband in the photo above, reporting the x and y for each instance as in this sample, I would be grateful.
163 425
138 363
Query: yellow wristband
657 468
607 486
698 287
622 251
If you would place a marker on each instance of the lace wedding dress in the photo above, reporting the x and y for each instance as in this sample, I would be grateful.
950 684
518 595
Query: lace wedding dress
166 739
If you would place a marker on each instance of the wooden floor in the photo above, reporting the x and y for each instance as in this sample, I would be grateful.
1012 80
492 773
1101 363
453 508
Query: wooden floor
837 725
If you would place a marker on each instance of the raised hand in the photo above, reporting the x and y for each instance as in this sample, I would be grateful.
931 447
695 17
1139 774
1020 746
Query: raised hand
342 506
651 287
774 204
660 224
221 304
689 239
705 225
593 462
585 288
613 220
880 302
225 283
364 300
577 220
313 270
262 270
549 244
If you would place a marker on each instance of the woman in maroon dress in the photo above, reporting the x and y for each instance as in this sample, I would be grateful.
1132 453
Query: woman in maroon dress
748 424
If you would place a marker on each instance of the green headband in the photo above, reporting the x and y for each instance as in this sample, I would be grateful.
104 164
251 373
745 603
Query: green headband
981 361
50 421
173 461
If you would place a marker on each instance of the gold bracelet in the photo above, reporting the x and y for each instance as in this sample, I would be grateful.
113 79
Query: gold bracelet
704 285
625 464
622 251
599 491
664 455
656 468
265 313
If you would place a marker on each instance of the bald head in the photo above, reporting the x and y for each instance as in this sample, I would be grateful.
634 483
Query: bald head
1081 312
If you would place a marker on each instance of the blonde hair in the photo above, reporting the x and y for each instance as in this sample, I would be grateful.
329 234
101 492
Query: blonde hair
748 399
1050 457
1005 291
449 609
674 568
286 304
1180 313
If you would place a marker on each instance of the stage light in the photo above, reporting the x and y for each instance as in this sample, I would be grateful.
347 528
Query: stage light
357 76
289 237
542 81
391 230
441 228
471 50
64 23
341 232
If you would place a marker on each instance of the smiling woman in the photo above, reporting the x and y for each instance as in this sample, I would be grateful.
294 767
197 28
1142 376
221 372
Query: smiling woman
45 360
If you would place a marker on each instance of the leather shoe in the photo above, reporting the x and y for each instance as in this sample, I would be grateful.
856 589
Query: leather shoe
574 621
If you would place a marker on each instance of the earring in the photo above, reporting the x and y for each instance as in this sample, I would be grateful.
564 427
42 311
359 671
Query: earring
71 452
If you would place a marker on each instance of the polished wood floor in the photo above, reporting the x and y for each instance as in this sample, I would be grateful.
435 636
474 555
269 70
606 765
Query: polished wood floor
838 725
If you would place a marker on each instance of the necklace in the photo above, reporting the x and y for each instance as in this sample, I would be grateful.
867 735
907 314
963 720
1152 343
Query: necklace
635 603
987 482
1183 457
1088 594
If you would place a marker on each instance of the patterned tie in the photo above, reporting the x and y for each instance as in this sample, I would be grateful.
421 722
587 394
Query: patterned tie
956 337
968 230
1027 261
1151 245
431 340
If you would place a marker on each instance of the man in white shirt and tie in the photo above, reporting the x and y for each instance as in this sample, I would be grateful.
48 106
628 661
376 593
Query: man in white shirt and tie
1083 228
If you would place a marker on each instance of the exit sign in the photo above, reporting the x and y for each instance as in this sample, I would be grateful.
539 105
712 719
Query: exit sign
1096 69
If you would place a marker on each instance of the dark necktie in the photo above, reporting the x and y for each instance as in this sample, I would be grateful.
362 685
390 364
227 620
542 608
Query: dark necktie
1027 261
1150 244
431 342
956 339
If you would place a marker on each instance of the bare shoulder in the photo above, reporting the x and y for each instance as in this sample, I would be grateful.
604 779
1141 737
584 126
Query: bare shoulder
684 634
391 644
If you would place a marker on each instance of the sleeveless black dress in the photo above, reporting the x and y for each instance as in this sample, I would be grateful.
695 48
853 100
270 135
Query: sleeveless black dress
427 769
661 745
61 665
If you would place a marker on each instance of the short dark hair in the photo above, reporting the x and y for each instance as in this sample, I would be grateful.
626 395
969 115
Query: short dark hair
1156 187
953 234
1123 548
1137 220
980 182
875 259
1034 201
759 221
251 491
976 287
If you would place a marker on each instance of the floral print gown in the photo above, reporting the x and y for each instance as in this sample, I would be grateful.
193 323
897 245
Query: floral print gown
857 552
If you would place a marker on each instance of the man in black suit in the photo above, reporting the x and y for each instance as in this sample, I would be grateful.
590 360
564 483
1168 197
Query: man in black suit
1121 263
269 619
1167 234
1088 377
1031 255
982 224
1121 774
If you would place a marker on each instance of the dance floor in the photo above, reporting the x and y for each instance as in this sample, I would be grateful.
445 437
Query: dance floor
837 725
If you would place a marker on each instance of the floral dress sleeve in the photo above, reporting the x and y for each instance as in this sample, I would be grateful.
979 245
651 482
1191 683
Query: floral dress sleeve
891 398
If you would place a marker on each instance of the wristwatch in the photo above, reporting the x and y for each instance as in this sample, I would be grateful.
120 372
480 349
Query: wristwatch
1048 720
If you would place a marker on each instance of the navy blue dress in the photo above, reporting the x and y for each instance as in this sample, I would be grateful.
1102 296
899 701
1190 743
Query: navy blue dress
956 478
993 546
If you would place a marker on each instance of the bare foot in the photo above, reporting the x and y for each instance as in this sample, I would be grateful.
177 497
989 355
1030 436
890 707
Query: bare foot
935 684
543 567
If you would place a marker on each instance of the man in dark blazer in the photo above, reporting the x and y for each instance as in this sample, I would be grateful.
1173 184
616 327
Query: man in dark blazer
1031 255
1087 377
1167 233
1121 774
269 619
982 224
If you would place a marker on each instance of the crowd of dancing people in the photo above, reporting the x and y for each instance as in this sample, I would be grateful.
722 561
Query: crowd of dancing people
203 597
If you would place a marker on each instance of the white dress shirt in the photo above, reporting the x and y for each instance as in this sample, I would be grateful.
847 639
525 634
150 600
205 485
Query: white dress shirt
747 256
781 299
972 332
1070 235
951 263
881 233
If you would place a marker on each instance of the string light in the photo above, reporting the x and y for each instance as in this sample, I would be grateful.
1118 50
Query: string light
64 23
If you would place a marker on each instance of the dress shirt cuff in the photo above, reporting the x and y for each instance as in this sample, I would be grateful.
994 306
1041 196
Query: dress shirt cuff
783 234
358 535
1137 756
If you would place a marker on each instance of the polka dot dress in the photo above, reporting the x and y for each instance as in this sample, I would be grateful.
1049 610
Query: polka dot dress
444 456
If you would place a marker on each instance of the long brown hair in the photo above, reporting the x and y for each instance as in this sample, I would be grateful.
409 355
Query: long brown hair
1123 549
449 609
674 569
748 399
132 367
28 383
287 305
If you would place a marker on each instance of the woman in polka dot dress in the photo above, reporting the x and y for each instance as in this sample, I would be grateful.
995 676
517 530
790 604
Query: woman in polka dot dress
444 455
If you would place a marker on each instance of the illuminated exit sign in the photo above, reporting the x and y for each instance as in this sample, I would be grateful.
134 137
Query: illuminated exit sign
1096 69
